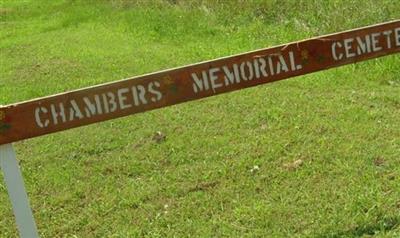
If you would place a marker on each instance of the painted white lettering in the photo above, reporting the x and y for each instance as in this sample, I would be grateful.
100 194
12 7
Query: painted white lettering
363 46
105 103
397 33
271 66
39 122
293 64
213 78
291 59
388 40
122 98
200 84
92 109
74 111
281 65
153 90
347 48
236 72
112 104
56 114
98 104
263 64
375 41
229 76
256 68
335 56
243 71
139 93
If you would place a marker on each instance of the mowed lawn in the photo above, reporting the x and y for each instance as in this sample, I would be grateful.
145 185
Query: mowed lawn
313 156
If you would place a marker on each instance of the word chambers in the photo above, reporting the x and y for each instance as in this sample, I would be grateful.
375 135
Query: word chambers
97 104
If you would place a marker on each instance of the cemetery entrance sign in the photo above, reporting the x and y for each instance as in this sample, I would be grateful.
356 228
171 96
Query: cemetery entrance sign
112 100
103 102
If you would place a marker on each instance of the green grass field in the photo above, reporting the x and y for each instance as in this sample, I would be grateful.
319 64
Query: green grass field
313 156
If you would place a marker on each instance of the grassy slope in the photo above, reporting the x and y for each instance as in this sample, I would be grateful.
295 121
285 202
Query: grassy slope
111 179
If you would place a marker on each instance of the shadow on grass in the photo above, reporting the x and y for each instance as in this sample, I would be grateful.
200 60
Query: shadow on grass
383 225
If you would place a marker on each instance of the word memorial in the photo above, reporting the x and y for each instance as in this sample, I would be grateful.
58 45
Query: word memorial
81 107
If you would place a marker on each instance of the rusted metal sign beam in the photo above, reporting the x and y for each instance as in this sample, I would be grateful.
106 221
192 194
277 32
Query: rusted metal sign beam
112 100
